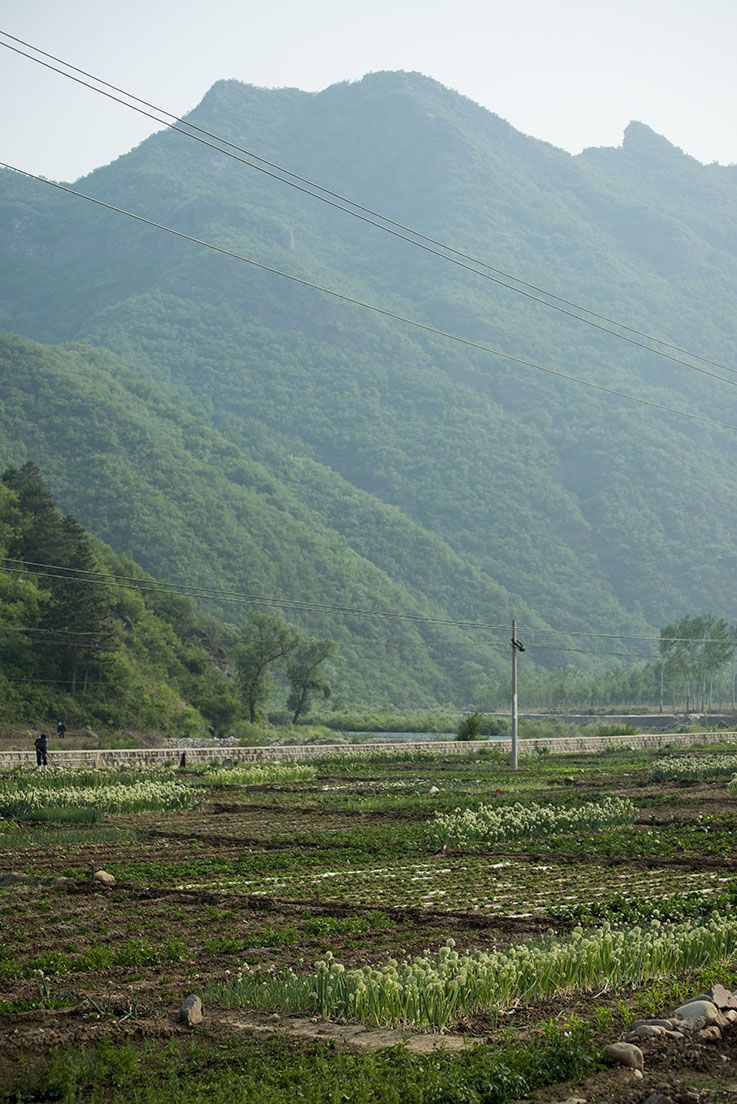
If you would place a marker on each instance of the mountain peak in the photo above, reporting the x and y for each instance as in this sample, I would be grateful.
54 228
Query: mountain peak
642 139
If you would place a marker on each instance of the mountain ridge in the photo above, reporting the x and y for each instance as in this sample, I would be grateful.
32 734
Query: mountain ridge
544 495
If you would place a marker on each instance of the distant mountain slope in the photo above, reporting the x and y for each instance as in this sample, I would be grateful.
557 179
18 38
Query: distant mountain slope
394 466
150 478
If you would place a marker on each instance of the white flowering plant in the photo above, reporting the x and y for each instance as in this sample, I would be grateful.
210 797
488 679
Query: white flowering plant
488 824
434 990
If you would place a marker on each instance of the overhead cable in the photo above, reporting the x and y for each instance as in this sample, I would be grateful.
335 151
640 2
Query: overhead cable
374 308
418 239
22 567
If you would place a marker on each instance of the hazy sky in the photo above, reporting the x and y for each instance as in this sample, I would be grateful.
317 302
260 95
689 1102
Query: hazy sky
573 72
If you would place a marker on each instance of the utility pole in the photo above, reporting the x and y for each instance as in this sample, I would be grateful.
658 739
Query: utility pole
516 647
661 685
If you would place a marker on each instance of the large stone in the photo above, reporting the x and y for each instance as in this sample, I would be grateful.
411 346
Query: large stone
659 1098
667 1024
645 1031
710 1034
624 1054
191 1011
699 1014
722 997
103 878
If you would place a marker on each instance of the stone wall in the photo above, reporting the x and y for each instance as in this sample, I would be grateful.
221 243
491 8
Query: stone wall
160 757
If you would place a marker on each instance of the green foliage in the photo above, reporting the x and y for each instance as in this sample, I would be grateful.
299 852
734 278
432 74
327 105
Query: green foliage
469 727
84 796
489 824
267 641
619 909
434 991
263 1070
307 673
99 653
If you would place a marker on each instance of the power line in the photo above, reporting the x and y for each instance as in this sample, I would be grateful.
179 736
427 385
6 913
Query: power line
20 678
629 636
587 651
72 633
186 590
190 590
382 311
28 567
321 193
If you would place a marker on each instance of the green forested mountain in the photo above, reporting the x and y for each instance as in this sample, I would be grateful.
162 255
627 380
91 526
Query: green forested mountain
228 428
111 652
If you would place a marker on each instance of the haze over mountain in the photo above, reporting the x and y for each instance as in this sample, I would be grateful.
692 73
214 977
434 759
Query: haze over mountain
228 428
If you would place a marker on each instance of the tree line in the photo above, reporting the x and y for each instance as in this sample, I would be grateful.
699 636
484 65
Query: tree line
695 669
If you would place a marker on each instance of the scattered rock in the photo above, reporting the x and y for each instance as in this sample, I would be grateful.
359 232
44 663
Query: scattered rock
625 1054
645 1031
731 1015
574 1100
698 1014
687 1098
659 1098
191 1011
15 879
103 878
435 789
708 1034
667 1024
722 998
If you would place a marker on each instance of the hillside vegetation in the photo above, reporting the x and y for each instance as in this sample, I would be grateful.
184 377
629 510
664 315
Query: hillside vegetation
227 428
104 653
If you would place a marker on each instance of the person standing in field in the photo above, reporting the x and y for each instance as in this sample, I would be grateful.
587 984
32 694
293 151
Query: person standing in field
61 729
41 744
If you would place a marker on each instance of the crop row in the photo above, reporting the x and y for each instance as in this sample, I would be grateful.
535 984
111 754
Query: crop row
684 768
29 803
255 774
505 887
488 824
432 991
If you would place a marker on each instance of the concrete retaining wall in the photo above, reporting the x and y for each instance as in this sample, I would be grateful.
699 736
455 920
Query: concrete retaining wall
159 757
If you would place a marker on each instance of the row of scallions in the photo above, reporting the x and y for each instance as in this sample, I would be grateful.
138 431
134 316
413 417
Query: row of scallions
258 774
692 768
29 798
435 990
490 824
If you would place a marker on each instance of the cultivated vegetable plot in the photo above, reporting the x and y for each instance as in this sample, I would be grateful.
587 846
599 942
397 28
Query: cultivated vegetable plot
260 774
488 824
503 887
322 892
684 768
87 795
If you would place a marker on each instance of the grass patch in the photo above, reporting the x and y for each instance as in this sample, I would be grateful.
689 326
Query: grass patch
247 1070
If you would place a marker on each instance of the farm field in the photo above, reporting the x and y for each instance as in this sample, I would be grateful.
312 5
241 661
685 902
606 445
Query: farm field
386 929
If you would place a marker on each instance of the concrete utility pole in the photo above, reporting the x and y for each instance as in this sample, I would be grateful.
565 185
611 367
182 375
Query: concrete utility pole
516 647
